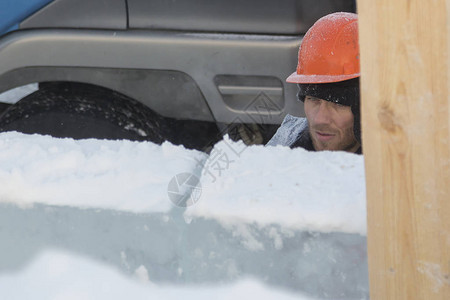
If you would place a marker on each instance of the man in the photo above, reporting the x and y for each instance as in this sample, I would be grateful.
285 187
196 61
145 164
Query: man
328 79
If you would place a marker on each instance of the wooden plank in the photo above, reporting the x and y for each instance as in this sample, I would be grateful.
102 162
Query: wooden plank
405 80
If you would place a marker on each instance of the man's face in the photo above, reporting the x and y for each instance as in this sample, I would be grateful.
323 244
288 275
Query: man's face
330 125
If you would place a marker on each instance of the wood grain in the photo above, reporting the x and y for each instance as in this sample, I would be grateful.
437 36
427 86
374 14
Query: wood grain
405 81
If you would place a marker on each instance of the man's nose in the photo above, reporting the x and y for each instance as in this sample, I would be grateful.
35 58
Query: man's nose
323 113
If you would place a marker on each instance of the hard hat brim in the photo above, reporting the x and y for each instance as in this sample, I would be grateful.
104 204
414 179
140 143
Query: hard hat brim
296 78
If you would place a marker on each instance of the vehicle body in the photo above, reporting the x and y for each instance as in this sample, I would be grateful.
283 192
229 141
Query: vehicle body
214 61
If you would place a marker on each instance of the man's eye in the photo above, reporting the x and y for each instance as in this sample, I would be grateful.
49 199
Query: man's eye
337 104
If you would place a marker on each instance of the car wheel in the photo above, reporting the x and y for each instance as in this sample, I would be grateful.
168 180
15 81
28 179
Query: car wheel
82 111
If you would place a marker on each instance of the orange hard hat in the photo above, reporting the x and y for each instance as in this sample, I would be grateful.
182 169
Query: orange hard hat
329 51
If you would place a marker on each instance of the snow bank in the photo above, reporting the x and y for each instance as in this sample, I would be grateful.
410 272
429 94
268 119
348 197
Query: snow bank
290 219
294 188
120 175
317 191
57 275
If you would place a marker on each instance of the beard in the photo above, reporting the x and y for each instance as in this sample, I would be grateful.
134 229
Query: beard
338 140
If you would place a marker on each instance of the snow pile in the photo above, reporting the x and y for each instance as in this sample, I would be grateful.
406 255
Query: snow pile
287 218
56 275
295 188
318 191
121 175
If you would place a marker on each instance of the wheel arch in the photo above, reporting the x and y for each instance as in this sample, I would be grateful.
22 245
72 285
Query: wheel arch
149 87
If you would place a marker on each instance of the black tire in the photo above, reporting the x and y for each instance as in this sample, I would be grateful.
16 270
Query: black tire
81 111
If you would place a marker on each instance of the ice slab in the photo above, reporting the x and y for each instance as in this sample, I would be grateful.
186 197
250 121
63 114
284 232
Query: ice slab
186 253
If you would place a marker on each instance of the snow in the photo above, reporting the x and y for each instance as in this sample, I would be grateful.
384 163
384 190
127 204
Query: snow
303 190
295 188
56 275
14 95
81 218
120 175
